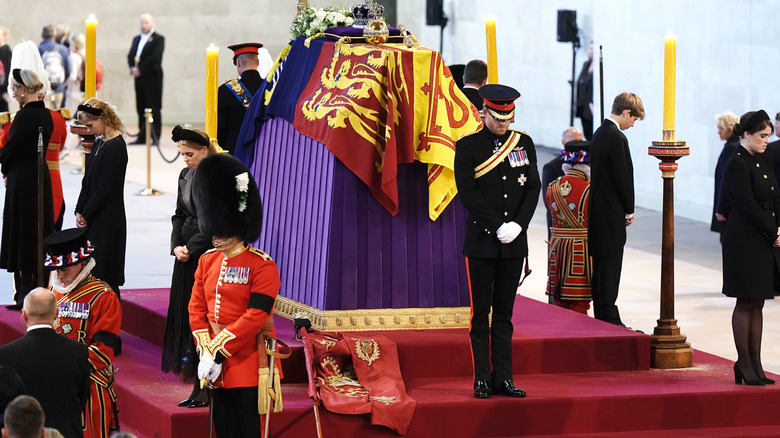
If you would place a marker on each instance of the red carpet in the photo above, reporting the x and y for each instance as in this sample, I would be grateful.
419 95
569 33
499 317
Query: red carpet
584 378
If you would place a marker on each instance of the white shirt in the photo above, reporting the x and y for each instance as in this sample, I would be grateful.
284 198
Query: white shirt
142 42
39 326
615 122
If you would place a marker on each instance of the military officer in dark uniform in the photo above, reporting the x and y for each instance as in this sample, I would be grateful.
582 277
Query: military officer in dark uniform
235 95
498 182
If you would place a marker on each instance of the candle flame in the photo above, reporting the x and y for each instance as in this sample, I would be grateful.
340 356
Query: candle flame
670 36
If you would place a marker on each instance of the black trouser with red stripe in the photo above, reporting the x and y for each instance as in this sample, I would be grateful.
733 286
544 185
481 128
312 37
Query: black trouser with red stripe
493 284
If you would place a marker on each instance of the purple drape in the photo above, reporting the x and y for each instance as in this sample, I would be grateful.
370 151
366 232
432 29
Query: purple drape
336 248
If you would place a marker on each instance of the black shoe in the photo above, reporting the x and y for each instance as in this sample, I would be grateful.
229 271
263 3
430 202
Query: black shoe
508 388
766 380
481 389
198 404
629 328
739 377
185 402
16 307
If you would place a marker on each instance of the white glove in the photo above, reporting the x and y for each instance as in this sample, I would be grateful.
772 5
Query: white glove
508 232
205 365
215 371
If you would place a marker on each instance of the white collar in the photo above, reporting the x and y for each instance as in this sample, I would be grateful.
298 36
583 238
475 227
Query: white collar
39 326
615 122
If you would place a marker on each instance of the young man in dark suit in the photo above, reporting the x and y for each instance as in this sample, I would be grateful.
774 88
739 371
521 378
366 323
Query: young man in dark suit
611 207
498 182
474 76
145 62
54 369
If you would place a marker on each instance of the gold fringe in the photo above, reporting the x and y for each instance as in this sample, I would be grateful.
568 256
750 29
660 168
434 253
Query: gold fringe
277 396
262 391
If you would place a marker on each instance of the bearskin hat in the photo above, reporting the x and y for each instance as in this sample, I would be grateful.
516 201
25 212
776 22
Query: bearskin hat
227 198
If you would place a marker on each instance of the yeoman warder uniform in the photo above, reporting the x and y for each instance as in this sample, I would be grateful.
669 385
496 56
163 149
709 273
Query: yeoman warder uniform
88 312
499 184
569 269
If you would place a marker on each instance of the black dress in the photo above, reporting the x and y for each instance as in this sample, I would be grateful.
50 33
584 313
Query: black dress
750 262
19 160
179 354
102 204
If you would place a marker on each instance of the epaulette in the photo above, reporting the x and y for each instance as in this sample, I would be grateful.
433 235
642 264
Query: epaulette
210 250
257 252
233 83
521 132
462 136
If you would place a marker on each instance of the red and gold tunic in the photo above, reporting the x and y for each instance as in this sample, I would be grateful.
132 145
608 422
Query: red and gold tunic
91 314
570 267
59 136
233 296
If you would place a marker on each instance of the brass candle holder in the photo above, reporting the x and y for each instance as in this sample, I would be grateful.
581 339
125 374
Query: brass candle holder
668 347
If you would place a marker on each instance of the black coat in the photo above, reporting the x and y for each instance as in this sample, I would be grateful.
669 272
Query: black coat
19 162
505 194
611 190
55 370
185 231
150 66
774 151
473 95
720 202
750 264
102 203
231 110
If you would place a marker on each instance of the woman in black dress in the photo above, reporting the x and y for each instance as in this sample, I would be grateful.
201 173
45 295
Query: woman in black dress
750 257
720 206
187 245
19 163
101 205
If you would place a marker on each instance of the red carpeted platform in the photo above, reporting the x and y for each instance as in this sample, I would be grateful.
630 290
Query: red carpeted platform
584 378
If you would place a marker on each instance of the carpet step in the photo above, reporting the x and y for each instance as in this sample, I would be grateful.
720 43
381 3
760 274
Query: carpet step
547 340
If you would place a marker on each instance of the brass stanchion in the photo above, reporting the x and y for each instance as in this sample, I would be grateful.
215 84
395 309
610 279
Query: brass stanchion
668 347
148 191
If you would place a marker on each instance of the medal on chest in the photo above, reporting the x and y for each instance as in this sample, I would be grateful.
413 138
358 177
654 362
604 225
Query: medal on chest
74 310
236 275
518 157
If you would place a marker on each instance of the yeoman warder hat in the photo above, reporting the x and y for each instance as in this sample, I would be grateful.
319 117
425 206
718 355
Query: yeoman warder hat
67 247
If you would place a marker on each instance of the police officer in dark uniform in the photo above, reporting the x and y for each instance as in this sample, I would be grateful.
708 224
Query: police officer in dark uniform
235 95
498 182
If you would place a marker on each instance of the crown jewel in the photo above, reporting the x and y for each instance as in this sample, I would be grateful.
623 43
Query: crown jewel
366 13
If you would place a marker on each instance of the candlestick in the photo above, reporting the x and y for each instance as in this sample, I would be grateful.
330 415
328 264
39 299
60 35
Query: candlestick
670 65
492 61
90 24
212 66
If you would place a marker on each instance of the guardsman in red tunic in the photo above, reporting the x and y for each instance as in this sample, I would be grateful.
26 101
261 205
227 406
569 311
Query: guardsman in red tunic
233 295
88 312
567 200
59 136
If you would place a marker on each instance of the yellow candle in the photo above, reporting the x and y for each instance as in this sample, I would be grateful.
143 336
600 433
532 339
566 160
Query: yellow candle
91 24
492 62
670 62
212 66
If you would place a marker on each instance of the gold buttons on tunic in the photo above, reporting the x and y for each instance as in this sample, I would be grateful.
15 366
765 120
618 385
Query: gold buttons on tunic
504 177
758 165
505 195
506 214
764 176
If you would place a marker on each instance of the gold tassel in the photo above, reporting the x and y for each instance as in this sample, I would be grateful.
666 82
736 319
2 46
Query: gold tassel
262 392
277 393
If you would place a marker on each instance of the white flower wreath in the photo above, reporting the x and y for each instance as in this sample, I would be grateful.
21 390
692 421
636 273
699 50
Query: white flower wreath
242 185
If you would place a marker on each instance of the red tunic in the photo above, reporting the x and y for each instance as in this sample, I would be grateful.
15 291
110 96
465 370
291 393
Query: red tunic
234 292
91 314
570 266
59 136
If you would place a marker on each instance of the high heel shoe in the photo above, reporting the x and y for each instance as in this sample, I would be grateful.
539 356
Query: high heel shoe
739 377
766 380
